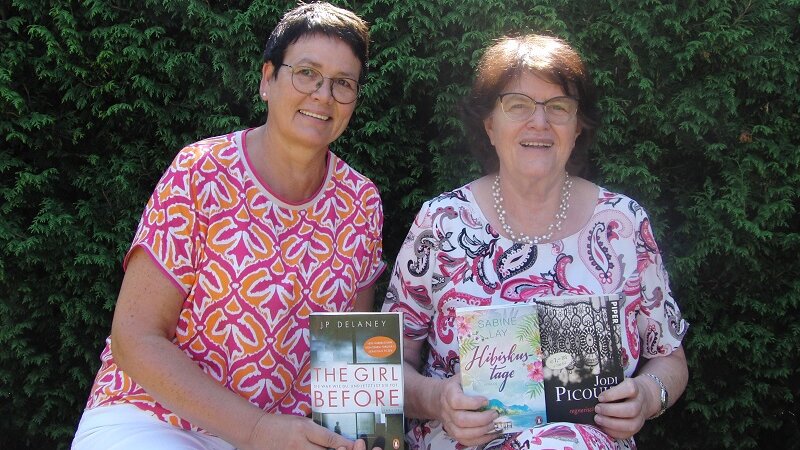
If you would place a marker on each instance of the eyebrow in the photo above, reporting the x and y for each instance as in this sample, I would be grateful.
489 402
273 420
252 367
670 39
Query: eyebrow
310 62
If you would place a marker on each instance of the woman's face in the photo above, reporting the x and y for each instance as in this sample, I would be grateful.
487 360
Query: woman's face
533 147
317 119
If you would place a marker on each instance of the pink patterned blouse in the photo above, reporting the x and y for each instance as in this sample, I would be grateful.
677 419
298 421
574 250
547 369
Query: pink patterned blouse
452 257
252 267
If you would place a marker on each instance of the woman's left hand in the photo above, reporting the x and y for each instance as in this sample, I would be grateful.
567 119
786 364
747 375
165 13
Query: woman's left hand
623 408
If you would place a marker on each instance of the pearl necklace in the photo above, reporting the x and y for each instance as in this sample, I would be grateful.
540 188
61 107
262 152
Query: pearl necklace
523 238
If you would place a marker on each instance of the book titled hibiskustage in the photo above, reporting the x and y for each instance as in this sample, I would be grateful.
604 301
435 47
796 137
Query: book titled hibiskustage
581 348
356 376
500 359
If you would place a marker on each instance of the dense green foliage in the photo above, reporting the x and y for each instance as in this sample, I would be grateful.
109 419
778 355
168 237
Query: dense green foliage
700 105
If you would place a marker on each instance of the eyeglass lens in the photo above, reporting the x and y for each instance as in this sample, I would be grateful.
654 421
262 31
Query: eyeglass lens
308 80
557 110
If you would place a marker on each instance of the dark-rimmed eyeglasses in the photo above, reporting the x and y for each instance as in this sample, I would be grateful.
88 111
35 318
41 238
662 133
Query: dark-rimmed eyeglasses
519 107
308 80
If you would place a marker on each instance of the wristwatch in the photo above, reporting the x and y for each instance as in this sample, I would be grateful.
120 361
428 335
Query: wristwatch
663 397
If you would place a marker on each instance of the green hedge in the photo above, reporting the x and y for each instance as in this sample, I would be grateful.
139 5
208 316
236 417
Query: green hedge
700 104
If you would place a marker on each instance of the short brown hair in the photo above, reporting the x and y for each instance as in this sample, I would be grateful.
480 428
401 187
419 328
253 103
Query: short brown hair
549 58
323 19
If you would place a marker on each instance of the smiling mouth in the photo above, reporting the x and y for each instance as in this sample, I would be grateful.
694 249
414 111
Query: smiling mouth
314 115
532 144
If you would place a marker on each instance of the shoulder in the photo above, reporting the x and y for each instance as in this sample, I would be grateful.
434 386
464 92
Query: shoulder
217 150
351 179
450 210
624 216
620 202
460 197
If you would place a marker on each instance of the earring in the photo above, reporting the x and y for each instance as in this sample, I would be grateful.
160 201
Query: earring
264 95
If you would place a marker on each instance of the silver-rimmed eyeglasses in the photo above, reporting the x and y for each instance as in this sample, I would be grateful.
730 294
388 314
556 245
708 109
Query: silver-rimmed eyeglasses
308 80
519 107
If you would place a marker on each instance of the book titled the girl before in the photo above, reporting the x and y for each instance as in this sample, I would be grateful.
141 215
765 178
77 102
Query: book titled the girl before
357 376
500 352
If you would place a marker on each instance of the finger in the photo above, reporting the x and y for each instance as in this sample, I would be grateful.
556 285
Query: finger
620 410
626 389
618 428
458 400
473 419
326 438
483 431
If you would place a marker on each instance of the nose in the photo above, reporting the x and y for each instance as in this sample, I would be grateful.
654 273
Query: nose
538 119
324 91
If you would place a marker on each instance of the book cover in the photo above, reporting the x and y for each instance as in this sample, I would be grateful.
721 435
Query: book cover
581 347
357 376
500 359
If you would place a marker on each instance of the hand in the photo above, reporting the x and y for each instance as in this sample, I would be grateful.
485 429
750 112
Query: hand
623 408
459 417
282 431
359 445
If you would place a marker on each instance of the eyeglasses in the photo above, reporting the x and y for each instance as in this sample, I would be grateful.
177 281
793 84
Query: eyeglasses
519 107
308 80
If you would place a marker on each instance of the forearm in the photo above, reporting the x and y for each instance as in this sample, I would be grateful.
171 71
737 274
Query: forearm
177 382
672 371
419 394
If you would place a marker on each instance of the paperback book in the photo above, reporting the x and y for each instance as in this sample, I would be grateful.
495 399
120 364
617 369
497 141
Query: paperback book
581 349
500 360
357 377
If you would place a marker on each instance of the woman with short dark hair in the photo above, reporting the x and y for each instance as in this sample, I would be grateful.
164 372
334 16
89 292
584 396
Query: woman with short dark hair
237 245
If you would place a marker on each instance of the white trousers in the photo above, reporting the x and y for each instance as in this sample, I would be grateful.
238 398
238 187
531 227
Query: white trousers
126 427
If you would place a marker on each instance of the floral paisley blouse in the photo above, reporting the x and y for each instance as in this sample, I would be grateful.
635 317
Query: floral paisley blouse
452 257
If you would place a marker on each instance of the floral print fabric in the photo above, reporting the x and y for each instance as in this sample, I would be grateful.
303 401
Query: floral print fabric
252 268
452 257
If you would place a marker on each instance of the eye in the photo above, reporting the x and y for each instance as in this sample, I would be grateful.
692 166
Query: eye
346 83
307 72
517 104
561 106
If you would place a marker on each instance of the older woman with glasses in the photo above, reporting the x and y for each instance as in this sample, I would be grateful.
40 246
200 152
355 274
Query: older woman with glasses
529 228
238 244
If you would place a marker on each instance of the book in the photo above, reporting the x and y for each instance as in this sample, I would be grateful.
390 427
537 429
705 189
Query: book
357 376
581 343
500 359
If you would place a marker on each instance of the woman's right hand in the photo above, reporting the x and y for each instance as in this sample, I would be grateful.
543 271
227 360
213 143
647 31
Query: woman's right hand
460 417
285 431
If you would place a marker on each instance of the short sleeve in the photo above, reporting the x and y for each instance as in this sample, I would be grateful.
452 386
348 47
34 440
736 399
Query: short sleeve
660 325
411 281
168 229
374 245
